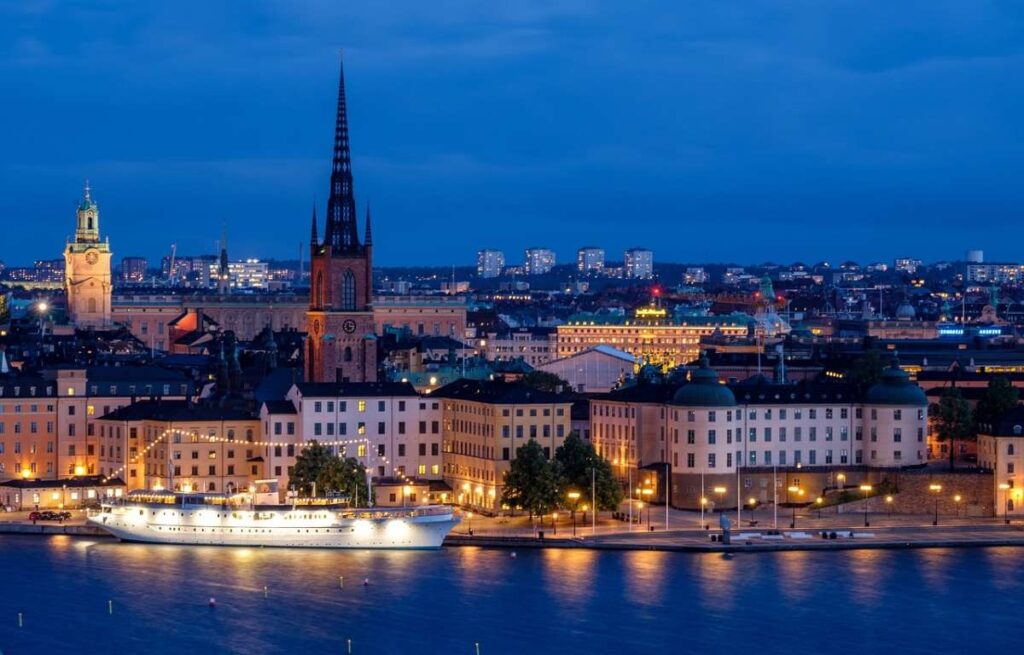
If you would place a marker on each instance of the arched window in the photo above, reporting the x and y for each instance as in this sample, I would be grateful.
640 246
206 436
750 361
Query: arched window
90 222
318 293
348 354
92 305
348 291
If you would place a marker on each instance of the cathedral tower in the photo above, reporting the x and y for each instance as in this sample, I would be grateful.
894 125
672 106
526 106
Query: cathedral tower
342 345
87 281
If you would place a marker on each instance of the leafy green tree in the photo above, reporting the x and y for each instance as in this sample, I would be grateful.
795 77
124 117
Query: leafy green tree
867 369
332 474
544 381
952 419
1000 397
530 482
574 461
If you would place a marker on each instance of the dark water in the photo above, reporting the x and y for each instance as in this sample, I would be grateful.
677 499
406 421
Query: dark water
554 601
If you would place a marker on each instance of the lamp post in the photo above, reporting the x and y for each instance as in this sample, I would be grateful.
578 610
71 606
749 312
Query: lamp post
469 523
866 488
799 492
956 501
554 523
935 489
648 492
703 505
752 502
41 308
841 481
1005 488
888 502
574 496
721 497
818 501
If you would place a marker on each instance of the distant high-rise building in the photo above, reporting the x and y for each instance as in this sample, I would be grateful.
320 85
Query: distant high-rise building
639 263
133 269
490 263
538 261
995 273
975 256
907 265
590 260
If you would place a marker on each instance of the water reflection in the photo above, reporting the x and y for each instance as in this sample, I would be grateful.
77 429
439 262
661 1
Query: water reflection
1004 565
645 576
933 564
569 574
864 573
793 579
716 576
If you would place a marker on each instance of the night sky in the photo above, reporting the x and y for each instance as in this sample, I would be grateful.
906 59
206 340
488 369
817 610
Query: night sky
708 131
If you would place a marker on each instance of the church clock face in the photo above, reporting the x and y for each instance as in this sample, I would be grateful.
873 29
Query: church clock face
91 257
349 326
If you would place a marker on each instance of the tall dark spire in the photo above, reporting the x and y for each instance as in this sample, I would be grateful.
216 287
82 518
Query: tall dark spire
341 233
314 240
368 236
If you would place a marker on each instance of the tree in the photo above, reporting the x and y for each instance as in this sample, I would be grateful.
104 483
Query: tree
952 419
332 474
544 381
574 460
867 370
1000 397
530 482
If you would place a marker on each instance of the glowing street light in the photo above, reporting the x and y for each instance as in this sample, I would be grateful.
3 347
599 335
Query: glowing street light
936 489
1005 488
574 496
866 488
799 492
648 492
888 502
956 500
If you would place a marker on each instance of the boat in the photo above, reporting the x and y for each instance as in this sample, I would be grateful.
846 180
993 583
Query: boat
210 519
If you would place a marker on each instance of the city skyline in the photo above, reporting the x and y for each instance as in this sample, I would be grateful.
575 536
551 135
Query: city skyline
850 149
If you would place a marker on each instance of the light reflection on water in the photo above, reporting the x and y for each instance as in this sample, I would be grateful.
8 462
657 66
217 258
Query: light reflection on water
547 601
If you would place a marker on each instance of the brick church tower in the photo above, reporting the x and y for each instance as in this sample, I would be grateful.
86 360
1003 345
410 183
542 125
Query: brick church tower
342 345
87 280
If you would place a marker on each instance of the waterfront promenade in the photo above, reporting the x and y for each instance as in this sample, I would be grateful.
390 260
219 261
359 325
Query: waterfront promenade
684 532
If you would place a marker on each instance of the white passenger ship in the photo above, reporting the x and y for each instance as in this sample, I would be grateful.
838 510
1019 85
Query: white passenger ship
165 517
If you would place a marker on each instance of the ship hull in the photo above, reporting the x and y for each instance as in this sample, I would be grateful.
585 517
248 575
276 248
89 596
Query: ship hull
284 529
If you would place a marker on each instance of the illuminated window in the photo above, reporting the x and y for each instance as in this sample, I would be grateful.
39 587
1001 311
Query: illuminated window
361 450
90 409
362 406
422 469
71 391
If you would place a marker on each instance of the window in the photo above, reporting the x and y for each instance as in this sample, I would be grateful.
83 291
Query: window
897 435
711 460
691 436
348 291
361 406
812 413
711 437
689 460
897 414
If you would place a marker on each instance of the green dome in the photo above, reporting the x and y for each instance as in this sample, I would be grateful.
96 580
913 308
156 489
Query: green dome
704 390
896 388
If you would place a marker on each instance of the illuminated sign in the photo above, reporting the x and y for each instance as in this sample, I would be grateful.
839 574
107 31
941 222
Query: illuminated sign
651 312
951 332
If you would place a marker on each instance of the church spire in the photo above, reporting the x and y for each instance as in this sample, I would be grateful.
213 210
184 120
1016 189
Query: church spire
368 237
314 239
340 232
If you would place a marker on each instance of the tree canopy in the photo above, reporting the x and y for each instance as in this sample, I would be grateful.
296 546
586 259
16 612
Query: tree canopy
1000 397
574 460
953 420
332 474
530 482
544 381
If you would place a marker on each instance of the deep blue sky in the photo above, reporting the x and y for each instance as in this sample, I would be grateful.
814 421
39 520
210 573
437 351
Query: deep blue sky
708 131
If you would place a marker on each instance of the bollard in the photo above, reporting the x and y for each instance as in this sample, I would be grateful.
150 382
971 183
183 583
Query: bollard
20 622
341 582
349 641
110 607
477 644
264 591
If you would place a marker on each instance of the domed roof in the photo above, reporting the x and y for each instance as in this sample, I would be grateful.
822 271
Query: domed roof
895 388
704 390
906 311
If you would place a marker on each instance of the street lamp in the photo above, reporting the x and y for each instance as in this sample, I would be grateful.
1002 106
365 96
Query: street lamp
721 496
841 481
888 501
819 500
648 492
1005 487
866 488
936 489
703 506
799 492
956 499
41 308
574 496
